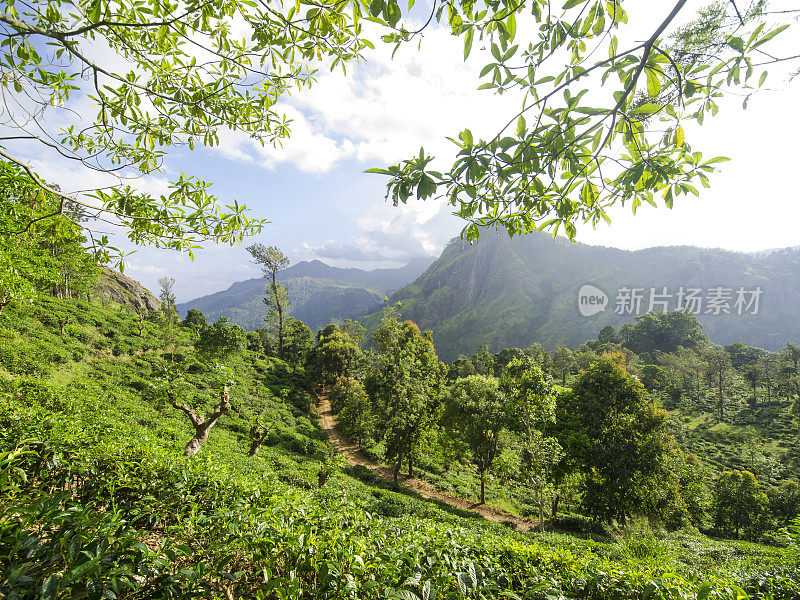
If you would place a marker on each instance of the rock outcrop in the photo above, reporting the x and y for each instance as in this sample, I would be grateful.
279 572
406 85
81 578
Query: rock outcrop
124 290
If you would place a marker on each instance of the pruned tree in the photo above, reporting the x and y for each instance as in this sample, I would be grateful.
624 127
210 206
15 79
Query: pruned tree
258 435
202 424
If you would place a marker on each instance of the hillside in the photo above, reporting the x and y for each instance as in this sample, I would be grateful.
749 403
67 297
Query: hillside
97 502
319 294
507 292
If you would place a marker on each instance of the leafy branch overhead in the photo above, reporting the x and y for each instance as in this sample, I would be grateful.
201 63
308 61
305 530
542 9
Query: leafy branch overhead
109 86
602 121
158 74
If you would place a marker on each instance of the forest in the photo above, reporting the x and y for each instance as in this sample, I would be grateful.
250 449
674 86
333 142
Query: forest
144 456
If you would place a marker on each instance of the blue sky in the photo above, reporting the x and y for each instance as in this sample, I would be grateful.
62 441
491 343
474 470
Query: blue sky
322 205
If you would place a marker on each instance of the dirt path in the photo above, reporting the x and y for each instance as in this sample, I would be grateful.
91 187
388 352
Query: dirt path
427 490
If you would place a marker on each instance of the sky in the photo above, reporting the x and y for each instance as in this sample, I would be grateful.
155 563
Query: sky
322 205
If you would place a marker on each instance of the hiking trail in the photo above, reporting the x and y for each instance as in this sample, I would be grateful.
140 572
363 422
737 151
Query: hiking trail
427 490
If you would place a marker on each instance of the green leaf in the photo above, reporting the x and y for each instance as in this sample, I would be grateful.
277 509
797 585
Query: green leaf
572 4
769 35
521 126
653 82
679 136
468 43
375 7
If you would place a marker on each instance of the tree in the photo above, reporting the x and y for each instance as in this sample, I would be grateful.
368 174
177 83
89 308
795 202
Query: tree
568 156
663 332
790 367
156 75
475 409
404 388
195 320
168 317
51 258
743 355
532 402
620 440
334 356
273 260
352 404
608 335
752 375
176 388
565 156
298 341
738 502
718 373
768 367
221 341
563 362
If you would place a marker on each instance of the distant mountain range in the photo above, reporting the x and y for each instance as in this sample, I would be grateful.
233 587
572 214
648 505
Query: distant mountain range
319 294
513 292
507 292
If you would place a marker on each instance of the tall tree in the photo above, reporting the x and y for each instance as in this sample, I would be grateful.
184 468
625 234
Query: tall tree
405 388
738 502
719 373
221 341
532 405
621 440
334 355
790 367
272 260
168 316
663 332
752 375
563 362
475 408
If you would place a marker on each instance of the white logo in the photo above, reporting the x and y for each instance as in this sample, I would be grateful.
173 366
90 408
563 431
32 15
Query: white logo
591 300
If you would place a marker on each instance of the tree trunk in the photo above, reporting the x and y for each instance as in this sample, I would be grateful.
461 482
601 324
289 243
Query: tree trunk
202 426
258 437
397 467
483 487
554 509
410 464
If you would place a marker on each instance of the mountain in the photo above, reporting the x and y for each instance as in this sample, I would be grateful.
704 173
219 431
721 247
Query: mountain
318 294
507 292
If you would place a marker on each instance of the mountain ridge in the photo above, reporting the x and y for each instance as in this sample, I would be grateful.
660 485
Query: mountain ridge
319 293
507 292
